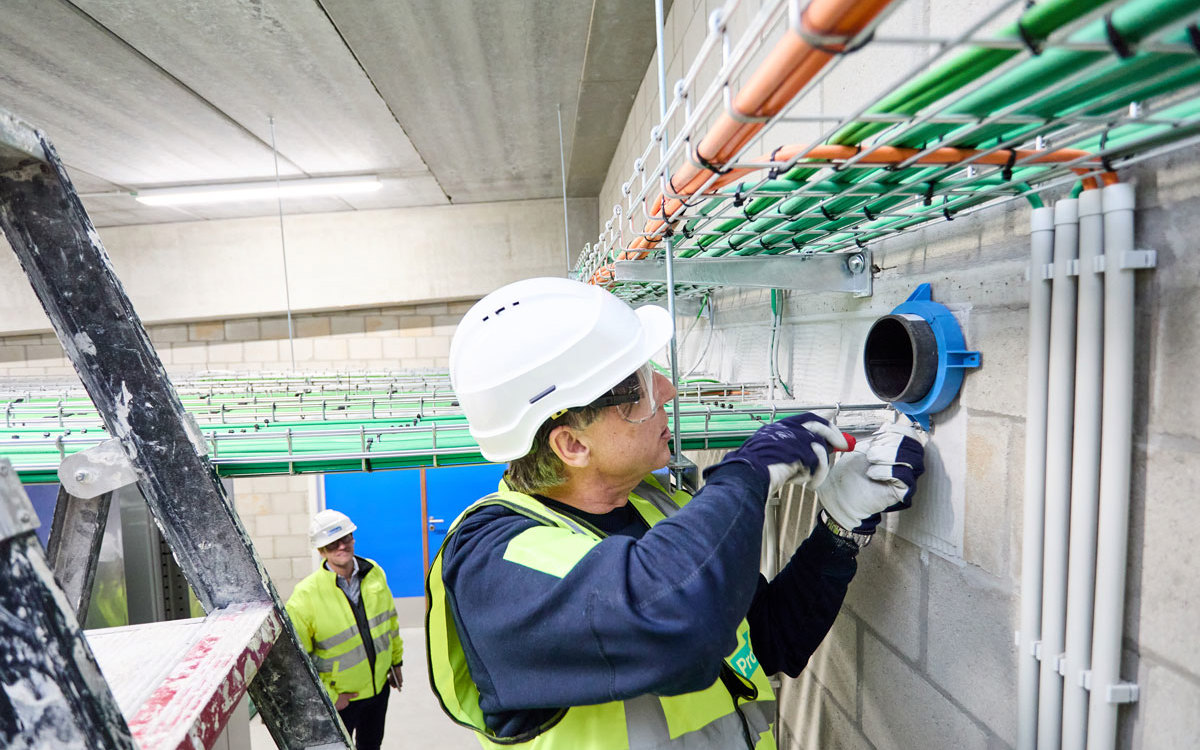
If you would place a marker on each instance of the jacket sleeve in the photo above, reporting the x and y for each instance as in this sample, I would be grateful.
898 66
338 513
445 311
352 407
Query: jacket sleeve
791 615
631 616
300 615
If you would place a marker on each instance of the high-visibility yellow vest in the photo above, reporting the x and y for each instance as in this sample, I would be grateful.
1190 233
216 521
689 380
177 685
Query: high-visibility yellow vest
708 718
327 630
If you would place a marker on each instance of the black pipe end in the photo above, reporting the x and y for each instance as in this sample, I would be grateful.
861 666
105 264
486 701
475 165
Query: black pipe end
900 358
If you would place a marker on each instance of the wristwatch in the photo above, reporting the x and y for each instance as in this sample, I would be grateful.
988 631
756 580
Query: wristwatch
862 540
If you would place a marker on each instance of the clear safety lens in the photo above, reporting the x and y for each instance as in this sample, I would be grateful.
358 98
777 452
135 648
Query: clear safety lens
636 399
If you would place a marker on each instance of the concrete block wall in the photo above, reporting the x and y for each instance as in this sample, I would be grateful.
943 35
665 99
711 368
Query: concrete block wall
922 654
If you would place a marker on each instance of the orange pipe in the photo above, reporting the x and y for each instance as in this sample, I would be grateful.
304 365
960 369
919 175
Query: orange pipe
790 65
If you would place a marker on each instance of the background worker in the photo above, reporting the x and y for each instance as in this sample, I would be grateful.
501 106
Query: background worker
345 616
585 605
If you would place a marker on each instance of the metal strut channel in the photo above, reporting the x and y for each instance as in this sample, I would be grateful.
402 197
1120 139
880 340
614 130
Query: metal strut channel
69 270
74 545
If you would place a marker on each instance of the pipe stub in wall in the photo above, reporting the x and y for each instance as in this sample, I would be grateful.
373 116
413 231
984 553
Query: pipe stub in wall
900 357
914 358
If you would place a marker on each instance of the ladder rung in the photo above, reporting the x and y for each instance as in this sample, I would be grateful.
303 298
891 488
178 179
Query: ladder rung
181 680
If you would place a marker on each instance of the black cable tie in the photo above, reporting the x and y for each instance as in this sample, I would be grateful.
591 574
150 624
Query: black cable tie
687 232
1104 161
946 208
709 165
867 212
859 242
796 244
746 213
1007 171
825 212
773 172
1119 46
1031 44
1193 32
738 199
822 42
929 193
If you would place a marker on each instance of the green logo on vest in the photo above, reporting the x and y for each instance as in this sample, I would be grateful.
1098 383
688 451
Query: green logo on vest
743 660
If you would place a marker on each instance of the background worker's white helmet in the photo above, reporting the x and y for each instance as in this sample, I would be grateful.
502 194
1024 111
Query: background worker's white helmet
535 347
329 526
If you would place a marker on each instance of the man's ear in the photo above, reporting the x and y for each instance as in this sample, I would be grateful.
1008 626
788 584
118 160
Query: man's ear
568 447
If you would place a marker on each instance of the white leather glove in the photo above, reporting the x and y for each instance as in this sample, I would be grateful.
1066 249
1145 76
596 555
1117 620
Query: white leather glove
878 476
795 448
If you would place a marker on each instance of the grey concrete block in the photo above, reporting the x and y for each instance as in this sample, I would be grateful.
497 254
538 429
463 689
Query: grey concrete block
835 663
971 655
310 327
273 328
242 330
42 353
1176 362
999 384
399 349
988 488
1167 715
168 334
207 331
1169 596
364 349
347 324
902 710
433 346
886 592
810 720
272 524
10 353
330 349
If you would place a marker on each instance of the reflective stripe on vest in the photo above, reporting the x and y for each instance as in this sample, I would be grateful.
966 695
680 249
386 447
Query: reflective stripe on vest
339 655
706 719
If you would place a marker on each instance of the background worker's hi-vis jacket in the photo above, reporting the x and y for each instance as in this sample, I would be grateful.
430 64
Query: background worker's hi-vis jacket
332 634
545 633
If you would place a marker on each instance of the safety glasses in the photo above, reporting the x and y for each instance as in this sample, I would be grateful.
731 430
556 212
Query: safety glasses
634 397
345 541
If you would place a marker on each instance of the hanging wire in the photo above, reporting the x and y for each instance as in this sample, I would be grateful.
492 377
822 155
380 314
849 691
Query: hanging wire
773 349
287 293
562 158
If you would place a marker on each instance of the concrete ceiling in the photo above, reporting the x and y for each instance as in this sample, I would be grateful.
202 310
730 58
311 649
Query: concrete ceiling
448 101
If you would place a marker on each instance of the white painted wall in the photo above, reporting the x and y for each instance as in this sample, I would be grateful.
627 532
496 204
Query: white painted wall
233 268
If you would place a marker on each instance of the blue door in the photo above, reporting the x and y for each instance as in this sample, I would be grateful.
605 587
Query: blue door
450 490
386 508
398 519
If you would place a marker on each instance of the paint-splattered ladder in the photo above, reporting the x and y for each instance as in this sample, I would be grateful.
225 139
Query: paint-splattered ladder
52 693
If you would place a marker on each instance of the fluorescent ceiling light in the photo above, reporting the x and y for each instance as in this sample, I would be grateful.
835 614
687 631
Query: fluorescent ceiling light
257 191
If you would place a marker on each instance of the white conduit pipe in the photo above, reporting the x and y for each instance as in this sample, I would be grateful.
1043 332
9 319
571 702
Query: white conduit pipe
1085 470
1061 405
1041 253
1115 459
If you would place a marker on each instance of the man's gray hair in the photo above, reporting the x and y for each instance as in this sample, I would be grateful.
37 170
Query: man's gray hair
541 469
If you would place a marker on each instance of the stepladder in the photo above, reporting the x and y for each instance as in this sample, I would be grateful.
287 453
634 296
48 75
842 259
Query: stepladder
164 685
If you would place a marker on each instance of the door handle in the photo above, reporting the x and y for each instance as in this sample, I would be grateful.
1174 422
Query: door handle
433 522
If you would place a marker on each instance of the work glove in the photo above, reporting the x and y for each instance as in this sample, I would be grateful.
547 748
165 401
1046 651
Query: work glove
878 476
792 449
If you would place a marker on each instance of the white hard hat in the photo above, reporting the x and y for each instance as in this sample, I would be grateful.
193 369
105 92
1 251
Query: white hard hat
535 347
329 526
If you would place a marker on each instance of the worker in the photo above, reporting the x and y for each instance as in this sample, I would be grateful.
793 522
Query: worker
587 605
345 616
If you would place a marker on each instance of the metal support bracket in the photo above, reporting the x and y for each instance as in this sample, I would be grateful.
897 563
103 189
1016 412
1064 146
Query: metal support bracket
99 469
849 273
16 512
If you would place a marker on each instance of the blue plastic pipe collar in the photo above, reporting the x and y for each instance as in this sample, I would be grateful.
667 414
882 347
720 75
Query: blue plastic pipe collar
915 357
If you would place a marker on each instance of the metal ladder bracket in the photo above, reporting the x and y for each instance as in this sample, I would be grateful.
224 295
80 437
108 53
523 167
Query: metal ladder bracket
16 512
99 469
